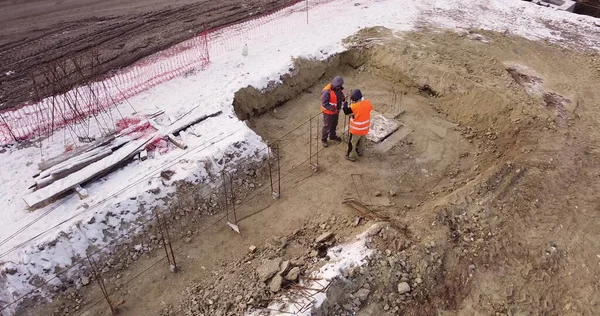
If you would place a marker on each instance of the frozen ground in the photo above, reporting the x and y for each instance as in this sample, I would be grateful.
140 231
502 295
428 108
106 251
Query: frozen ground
271 47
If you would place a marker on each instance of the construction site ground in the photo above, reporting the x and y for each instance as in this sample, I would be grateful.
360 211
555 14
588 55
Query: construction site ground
34 34
489 189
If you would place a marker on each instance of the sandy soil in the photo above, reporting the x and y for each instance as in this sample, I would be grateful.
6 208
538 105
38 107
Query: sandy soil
490 185
36 33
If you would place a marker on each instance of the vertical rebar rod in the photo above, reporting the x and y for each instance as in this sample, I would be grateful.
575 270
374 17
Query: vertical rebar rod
174 268
271 174
232 199
162 235
306 11
100 281
278 173
310 142
317 140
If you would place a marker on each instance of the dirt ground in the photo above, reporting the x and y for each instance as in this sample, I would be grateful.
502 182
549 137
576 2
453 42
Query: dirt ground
36 33
489 185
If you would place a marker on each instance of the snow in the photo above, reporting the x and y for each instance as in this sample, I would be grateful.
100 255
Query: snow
271 47
341 259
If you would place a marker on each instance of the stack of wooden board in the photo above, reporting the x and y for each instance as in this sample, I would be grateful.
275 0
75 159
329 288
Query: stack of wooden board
69 171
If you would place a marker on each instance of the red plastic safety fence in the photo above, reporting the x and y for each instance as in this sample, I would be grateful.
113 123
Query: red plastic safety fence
33 120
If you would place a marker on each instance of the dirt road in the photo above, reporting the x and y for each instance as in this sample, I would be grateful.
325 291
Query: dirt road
35 33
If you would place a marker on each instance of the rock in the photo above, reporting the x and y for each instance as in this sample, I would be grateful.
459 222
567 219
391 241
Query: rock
275 284
268 269
285 266
188 240
105 270
85 280
138 247
377 193
418 280
293 274
167 174
313 254
297 262
393 193
362 294
403 287
386 307
324 237
252 249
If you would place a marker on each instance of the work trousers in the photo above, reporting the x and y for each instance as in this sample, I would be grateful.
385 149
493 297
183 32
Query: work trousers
330 122
356 146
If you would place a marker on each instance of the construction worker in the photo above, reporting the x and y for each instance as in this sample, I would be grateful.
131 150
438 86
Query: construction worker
360 123
332 99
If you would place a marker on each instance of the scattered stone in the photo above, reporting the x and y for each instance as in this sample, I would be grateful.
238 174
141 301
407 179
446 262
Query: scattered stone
393 193
85 280
167 174
268 269
418 280
188 240
285 266
386 307
173 268
403 287
362 294
293 274
275 284
297 262
378 193
252 249
313 254
357 221
105 270
324 237
138 247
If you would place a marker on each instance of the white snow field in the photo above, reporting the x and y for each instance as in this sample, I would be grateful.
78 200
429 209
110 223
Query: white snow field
271 48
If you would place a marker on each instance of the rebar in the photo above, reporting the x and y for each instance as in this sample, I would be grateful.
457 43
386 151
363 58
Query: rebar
100 281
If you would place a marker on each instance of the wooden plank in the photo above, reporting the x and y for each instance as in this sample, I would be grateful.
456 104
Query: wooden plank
83 193
46 164
91 171
176 141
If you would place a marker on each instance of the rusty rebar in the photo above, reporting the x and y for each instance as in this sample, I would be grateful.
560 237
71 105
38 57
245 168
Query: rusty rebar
100 281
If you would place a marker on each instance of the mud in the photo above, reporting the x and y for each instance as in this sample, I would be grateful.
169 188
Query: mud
34 34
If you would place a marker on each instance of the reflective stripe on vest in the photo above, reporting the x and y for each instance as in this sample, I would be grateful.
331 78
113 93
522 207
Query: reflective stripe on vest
332 101
361 122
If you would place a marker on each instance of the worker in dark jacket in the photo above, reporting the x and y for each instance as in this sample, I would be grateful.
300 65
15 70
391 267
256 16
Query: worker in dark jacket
360 123
332 100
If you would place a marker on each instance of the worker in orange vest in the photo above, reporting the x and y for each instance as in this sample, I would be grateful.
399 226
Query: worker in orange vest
360 123
332 100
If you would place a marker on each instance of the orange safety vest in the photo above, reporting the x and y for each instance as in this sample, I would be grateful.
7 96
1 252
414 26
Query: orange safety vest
332 100
360 123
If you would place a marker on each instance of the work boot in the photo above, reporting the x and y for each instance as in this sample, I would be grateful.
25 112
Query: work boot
336 138
325 144
360 154
349 158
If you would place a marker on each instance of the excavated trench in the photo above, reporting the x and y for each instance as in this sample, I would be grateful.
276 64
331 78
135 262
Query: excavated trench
463 117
